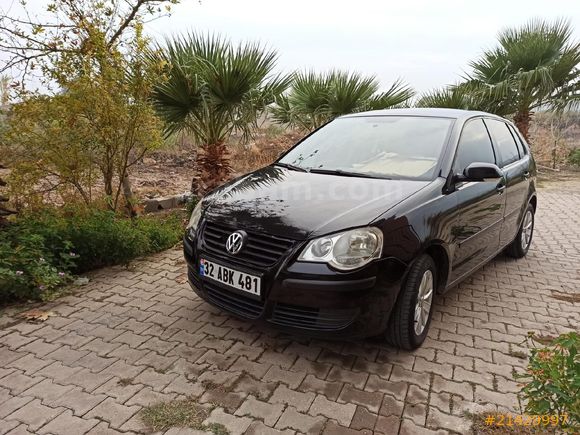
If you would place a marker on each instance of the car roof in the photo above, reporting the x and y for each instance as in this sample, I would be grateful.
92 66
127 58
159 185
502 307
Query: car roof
424 111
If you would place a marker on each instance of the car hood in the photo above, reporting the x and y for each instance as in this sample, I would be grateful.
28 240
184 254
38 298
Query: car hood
298 205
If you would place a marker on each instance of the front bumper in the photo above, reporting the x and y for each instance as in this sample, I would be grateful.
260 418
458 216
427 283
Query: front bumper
306 298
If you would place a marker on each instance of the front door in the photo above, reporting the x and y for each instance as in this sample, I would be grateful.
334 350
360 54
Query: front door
516 166
482 204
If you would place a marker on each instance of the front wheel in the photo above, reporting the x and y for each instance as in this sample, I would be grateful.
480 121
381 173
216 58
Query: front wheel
411 316
521 244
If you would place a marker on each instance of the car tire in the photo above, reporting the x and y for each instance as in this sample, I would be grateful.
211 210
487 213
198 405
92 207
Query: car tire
403 330
521 244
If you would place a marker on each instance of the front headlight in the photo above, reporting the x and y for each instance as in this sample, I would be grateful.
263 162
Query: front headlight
347 250
194 220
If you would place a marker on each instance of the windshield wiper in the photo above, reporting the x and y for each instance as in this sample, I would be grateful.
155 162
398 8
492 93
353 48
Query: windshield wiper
290 166
345 173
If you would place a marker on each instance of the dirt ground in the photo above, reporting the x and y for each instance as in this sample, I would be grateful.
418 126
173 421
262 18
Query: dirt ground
169 172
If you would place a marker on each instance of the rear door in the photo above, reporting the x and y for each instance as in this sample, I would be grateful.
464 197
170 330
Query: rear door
481 204
515 163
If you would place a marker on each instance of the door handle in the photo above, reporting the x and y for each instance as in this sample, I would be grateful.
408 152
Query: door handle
500 188
526 175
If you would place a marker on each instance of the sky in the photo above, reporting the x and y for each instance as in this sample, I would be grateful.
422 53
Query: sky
427 43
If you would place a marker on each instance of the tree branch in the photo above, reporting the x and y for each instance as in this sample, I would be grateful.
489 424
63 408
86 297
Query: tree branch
126 22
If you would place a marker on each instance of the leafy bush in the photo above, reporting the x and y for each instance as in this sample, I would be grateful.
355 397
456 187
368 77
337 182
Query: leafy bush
190 204
553 380
574 157
29 267
39 252
103 123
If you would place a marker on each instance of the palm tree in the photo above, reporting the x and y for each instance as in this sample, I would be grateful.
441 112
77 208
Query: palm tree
534 65
315 99
213 88
466 96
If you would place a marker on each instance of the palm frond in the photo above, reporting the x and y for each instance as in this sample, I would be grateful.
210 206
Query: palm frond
398 94
349 92
213 87
449 97
470 95
533 65
315 99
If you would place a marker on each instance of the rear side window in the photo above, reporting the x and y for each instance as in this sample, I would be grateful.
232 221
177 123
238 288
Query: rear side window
506 145
519 141
474 146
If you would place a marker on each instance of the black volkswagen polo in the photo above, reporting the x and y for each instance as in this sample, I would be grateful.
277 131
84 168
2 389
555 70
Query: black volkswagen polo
356 229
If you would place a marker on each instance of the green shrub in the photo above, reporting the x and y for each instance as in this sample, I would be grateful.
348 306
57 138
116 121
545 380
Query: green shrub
553 380
29 268
161 234
39 252
190 204
574 157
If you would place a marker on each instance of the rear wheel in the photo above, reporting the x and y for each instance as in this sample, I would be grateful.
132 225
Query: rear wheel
411 316
521 244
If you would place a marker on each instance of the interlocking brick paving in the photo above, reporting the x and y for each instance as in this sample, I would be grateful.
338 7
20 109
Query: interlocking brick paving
136 336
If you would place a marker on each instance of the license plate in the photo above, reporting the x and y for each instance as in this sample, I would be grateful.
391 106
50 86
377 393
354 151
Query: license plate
230 277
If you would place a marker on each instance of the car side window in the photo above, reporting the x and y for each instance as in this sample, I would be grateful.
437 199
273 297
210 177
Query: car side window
474 146
519 141
504 141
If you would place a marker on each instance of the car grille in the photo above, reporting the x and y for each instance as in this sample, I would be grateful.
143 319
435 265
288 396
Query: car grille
312 318
261 250
232 302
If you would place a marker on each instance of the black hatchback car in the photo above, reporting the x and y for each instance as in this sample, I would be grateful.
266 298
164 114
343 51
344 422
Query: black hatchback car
356 229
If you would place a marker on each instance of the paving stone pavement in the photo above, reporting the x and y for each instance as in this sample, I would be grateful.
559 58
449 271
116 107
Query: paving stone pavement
136 336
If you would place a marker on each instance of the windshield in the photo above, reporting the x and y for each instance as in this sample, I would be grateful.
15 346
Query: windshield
383 146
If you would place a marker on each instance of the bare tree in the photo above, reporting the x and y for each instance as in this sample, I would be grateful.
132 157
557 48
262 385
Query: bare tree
29 42
89 56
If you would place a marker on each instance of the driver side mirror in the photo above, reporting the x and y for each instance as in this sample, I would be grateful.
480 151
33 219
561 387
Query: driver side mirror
479 171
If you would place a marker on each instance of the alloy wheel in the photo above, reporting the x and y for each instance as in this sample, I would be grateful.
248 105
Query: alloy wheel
424 301
527 230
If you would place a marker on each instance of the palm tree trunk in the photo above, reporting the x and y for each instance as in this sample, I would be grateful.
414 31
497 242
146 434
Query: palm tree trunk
522 121
213 168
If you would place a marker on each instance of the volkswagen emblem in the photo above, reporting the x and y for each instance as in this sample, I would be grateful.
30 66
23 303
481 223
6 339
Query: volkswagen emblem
235 242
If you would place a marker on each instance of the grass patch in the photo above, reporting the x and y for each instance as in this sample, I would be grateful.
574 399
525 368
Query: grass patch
179 413
212 386
217 429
